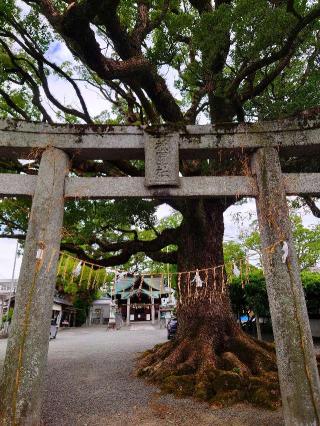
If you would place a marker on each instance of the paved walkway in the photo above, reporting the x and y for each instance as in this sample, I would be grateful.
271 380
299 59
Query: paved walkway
89 382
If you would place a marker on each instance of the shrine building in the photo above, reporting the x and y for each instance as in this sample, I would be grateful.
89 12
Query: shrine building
141 298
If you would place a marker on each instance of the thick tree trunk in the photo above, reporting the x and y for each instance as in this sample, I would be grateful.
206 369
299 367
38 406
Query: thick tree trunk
206 310
210 358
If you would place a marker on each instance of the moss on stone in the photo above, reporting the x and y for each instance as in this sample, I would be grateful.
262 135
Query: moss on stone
145 353
245 372
179 385
225 380
229 397
200 391
263 398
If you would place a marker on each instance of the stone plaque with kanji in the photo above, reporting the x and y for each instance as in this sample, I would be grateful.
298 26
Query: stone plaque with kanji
162 161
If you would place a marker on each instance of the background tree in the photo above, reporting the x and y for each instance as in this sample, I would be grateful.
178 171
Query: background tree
238 60
306 241
253 293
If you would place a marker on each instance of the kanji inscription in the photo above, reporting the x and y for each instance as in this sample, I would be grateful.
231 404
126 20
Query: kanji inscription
162 161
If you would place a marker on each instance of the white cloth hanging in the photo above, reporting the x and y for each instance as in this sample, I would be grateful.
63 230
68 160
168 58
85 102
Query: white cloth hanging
197 279
285 249
77 270
236 270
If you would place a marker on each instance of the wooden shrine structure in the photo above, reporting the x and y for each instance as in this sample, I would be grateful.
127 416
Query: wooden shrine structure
162 148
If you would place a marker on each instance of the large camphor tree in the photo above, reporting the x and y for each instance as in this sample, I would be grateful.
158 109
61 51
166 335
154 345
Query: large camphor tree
179 62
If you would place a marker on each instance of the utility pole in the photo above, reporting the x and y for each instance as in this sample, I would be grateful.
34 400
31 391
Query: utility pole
12 282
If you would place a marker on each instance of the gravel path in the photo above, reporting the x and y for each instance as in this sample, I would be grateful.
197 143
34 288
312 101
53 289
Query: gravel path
89 382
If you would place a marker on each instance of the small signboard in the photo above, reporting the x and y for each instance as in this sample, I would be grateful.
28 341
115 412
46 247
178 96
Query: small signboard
161 160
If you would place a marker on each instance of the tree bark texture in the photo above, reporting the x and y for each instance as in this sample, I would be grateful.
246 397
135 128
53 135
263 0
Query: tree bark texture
21 387
200 247
297 366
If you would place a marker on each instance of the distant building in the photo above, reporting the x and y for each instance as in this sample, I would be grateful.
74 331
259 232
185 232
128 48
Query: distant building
141 298
100 311
7 286
136 299
63 312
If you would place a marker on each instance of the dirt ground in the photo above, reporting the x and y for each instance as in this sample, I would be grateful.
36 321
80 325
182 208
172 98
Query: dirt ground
90 382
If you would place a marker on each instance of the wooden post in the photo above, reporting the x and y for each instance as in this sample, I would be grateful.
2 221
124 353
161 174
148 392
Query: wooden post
297 368
128 310
258 328
153 313
21 387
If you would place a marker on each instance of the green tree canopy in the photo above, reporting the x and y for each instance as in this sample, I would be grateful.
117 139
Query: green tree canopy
306 240
244 58
151 62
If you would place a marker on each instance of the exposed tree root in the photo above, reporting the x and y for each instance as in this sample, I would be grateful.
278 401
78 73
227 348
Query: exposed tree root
245 370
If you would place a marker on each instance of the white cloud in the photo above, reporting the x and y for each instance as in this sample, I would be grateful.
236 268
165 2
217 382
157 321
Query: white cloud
7 254
249 214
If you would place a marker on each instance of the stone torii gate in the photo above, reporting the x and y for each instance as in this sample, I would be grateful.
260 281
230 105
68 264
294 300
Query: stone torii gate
23 375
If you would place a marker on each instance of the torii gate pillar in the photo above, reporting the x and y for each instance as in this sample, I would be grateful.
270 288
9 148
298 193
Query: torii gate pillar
297 368
21 386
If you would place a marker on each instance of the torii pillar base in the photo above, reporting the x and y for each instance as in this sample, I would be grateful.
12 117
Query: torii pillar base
21 387
297 368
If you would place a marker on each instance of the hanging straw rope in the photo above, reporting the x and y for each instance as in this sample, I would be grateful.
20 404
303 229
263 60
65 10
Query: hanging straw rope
217 272
111 270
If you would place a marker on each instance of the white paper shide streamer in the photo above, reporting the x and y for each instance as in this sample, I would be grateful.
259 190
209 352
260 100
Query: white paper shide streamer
236 270
77 270
197 279
285 250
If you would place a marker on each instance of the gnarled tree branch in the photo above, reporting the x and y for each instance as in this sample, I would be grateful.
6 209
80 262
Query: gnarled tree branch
126 248
312 205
